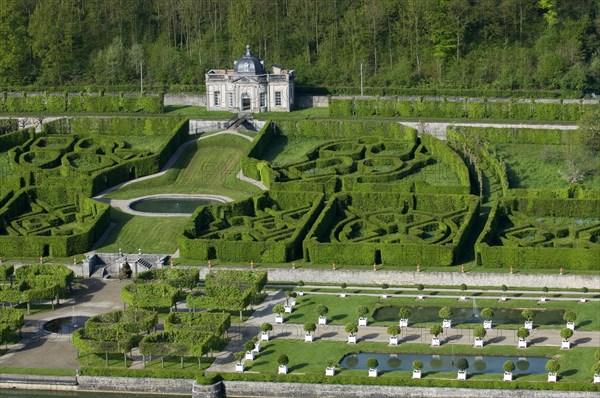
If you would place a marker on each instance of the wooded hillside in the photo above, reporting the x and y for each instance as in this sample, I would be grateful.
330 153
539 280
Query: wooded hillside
458 44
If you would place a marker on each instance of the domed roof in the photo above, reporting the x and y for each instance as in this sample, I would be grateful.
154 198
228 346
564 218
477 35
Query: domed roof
249 64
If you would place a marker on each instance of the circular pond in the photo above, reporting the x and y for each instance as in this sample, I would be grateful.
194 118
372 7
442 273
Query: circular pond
445 363
173 204
66 325
468 315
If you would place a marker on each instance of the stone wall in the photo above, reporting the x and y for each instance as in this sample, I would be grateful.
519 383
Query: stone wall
409 278
185 99
135 384
263 389
312 101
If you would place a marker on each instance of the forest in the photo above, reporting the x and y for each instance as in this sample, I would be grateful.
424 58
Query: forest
480 45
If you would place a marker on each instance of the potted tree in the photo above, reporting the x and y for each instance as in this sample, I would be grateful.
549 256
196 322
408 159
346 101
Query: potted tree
566 334
309 328
508 367
283 361
288 307
522 334
596 371
239 365
384 286
256 343
446 314
487 314
300 285
330 369
278 310
504 289
393 331
479 332
528 314
417 366
404 313
463 288
584 290
543 299
265 329
420 288
462 364
570 317
322 311
435 331
372 364
362 312
249 351
343 286
552 366
351 329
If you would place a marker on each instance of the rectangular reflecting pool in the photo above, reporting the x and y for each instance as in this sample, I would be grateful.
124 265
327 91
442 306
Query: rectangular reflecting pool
445 363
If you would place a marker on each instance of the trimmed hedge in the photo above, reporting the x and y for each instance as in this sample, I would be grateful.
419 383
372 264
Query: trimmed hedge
93 103
532 244
445 107
149 295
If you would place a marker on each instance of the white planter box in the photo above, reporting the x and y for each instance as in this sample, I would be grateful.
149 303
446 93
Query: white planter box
416 374
239 367
352 339
552 377
447 323
582 300
507 376
282 369
503 298
384 296
461 375
264 336
329 371
522 344
529 325
342 295
292 302
279 319
362 321
393 340
256 347
308 337
322 320
288 308
249 356
435 341
487 324
571 325
372 372
565 345
463 298
478 343
300 293
596 378
420 297
403 323
543 300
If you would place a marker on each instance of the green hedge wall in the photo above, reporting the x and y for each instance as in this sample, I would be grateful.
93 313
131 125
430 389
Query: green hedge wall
98 103
458 108
492 251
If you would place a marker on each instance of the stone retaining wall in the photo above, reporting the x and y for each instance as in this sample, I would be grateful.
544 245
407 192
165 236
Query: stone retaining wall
410 278
135 384
263 389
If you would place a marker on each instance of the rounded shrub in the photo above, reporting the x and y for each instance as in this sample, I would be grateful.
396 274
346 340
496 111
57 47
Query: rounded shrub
522 333
322 310
420 287
566 333
266 327
249 346
283 359
393 330
417 365
487 313
362 310
372 363
239 356
436 329
351 328
404 312
310 327
462 364
463 287
570 316
479 332
596 368
278 309
508 366
445 313
552 366
528 314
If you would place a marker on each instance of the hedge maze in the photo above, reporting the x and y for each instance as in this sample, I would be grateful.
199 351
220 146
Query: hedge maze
45 209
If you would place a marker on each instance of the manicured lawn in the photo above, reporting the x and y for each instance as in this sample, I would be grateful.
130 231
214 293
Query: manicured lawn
285 150
343 310
38 371
170 363
305 113
310 358
196 111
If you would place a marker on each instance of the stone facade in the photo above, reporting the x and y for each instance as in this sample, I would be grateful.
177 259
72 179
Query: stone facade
249 87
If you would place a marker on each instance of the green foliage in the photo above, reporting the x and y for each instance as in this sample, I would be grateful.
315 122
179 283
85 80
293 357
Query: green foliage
462 364
322 310
149 295
393 330
239 356
176 277
310 327
589 125
372 363
487 313
181 343
362 310
528 314
6 271
566 333
570 316
351 328
266 327
212 322
479 332
283 359
417 365
60 103
508 366
278 309
445 313
404 312
552 366
248 346
596 368
436 329
522 333
110 325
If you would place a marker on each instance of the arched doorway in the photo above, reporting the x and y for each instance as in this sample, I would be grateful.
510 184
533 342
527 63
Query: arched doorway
245 102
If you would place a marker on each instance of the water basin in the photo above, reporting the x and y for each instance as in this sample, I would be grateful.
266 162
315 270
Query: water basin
66 325
468 315
171 205
445 363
